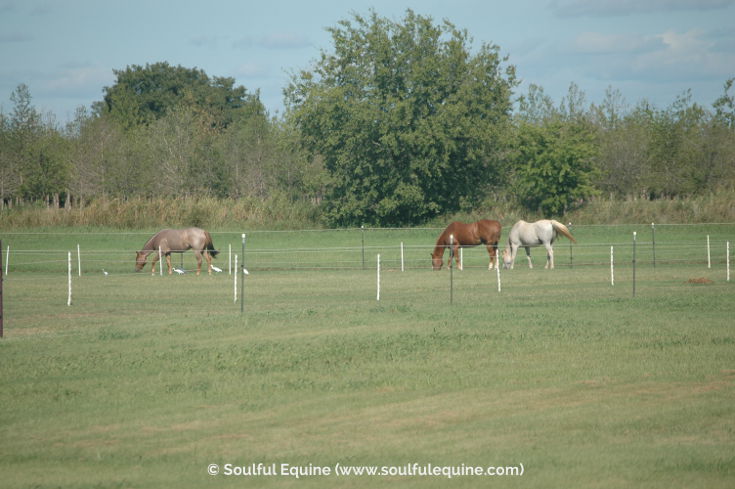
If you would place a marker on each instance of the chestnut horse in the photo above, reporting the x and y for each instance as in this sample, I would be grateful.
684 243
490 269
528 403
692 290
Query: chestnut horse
529 234
177 241
485 232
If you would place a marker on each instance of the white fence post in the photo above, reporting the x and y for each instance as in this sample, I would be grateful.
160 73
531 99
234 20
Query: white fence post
68 299
235 282
378 278
497 271
612 267
403 269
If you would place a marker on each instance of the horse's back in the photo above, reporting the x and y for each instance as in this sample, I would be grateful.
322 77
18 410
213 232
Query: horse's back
489 230
531 233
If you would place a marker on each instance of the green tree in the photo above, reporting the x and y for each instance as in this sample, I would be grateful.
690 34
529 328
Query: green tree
725 105
556 166
142 95
35 154
408 122
675 152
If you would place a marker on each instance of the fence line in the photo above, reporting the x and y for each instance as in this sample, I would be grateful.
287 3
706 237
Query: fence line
352 229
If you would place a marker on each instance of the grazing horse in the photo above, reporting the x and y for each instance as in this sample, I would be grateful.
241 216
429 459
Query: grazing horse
177 241
529 234
485 232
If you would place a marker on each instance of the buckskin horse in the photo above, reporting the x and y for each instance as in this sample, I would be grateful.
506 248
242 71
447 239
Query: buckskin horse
177 241
529 234
484 231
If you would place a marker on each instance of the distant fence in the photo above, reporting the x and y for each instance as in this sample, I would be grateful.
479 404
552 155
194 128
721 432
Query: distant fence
614 248
357 248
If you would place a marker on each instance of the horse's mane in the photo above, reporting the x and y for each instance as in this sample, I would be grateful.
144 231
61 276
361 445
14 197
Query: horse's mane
150 245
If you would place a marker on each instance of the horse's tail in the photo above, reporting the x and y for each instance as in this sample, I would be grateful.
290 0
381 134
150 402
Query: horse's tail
209 245
563 230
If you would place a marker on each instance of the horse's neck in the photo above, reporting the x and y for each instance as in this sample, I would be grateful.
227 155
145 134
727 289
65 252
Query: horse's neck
152 244
441 243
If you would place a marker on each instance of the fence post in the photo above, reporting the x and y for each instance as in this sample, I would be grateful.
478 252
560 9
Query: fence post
362 232
571 254
497 270
234 292
634 243
1 287
727 261
612 267
242 286
68 299
653 242
403 269
79 260
378 279
451 269
709 255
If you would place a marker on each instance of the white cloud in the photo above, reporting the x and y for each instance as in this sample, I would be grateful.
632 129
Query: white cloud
283 40
76 80
686 54
273 40
251 70
670 56
599 43
603 8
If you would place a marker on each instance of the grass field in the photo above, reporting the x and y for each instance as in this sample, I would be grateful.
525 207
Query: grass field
146 381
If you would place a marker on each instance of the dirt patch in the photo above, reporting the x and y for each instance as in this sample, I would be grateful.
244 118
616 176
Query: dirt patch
700 280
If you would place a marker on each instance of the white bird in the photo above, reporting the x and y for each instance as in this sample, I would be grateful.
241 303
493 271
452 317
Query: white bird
178 270
245 271
216 269
105 272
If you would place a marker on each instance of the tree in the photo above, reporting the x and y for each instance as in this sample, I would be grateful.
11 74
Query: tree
142 95
409 124
34 160
556 167
725 105
91 141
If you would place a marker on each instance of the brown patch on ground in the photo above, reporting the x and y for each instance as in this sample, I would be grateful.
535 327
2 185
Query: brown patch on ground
700 280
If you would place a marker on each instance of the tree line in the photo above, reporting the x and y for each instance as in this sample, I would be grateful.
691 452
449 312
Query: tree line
400 122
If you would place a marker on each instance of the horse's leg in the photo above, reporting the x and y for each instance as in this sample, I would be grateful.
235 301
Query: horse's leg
153 263
549 257
209 261
528 255
198 254
493 255
513 253
168 263
456 257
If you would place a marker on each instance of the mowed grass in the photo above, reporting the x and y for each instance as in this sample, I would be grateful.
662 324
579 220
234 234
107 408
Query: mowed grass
145 380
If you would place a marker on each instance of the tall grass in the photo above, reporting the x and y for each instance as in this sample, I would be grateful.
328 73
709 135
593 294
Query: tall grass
279 212
713 207
136 213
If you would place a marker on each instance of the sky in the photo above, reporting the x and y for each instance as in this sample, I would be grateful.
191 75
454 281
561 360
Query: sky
65 51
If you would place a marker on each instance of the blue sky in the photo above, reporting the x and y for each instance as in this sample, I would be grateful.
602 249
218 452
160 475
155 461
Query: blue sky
66 50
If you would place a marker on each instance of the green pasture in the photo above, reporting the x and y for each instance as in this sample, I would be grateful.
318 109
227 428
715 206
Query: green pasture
145 381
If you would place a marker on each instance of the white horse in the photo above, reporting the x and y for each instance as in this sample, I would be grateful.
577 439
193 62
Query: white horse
529 234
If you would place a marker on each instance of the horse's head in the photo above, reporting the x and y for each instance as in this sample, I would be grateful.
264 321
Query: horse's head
140 258
506 259
436 262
